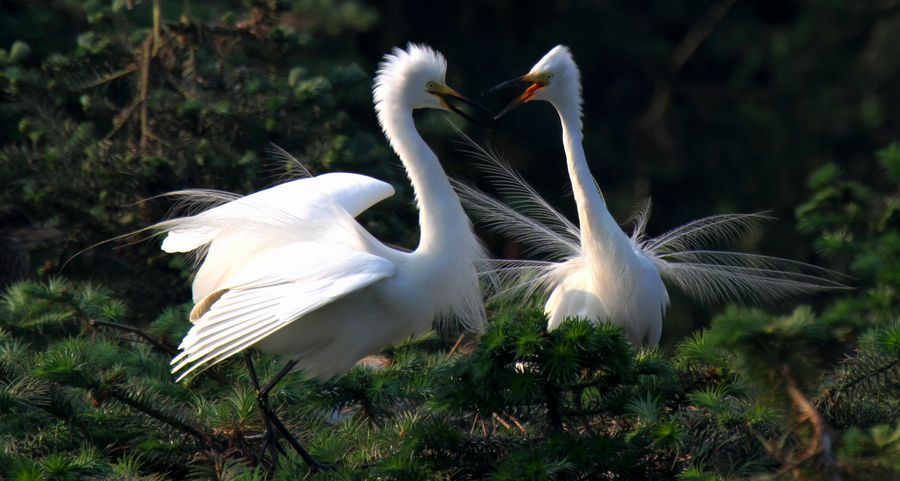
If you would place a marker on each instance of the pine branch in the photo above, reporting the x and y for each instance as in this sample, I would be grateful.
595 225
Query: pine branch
862 377
124 398
111 77
685 49
200 29
122 118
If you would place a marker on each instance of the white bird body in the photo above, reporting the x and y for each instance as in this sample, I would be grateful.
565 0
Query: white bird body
633 297
601 273
610 279
289 270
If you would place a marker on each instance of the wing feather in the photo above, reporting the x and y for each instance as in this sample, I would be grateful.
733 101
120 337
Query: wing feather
299 198
274 289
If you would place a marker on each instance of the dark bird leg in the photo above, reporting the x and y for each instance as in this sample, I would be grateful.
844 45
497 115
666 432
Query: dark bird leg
262 399
270 437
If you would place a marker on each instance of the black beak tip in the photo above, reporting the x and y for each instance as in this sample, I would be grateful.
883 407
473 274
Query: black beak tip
477 107
507 84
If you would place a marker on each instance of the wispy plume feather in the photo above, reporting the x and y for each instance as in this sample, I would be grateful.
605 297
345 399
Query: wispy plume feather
682 255
289 167
528 218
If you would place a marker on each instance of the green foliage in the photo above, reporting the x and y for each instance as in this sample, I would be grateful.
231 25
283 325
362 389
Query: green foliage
748 397
865 388
874 453
523 404
830 381
83 393
858 224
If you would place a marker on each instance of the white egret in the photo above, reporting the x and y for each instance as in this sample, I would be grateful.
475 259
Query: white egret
601 273
289 270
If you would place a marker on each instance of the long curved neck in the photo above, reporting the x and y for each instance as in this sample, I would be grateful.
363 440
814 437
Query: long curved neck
442 222
598 228
444 261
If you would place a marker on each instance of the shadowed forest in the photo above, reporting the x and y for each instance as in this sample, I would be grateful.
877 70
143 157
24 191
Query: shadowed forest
708 107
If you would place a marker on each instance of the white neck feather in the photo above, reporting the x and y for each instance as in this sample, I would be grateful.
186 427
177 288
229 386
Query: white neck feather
448 249
441 217
600 234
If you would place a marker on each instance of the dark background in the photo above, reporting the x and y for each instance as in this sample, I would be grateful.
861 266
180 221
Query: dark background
737 124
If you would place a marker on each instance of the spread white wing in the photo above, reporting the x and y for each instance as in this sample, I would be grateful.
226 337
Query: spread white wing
300 198
227 237
274 288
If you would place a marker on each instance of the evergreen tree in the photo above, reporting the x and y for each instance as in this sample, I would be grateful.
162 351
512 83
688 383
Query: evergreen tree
156 97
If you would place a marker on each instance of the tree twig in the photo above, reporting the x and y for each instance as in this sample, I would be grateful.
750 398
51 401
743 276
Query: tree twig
822 441
143 91
113 76
700 31
143 335
127 400
124 116
157 26
455 346
685 49
516 421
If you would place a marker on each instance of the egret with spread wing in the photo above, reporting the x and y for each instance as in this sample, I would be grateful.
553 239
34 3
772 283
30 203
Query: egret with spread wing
289 270
599 272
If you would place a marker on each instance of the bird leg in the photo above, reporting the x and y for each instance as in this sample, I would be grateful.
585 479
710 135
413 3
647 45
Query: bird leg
262 399
270 437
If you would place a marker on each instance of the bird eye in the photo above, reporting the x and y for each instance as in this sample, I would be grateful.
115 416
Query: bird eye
429 85
549 75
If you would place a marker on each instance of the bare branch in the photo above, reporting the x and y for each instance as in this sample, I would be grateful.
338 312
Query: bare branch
143 335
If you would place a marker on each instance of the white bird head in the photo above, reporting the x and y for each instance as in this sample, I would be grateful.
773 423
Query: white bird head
414 78
555 79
